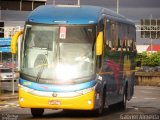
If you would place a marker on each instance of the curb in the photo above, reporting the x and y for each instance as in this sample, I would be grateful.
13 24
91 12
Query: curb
4 98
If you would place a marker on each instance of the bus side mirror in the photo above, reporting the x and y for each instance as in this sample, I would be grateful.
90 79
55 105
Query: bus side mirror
99 43
14 41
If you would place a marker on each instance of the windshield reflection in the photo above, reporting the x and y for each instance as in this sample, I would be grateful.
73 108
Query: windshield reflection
50 58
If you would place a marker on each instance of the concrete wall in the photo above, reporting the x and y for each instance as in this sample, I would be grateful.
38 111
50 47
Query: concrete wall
14 18
142 48
148 79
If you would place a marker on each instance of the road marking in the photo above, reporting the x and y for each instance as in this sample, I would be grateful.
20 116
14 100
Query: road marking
17 105
150 98
2 102
146 92
136 109
8 105
150 88
134 97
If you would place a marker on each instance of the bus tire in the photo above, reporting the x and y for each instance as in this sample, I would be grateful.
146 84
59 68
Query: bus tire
123 103
100 110
37 112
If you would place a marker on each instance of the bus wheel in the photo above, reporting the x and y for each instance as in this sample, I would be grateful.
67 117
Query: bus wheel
100 110
37 112
122 104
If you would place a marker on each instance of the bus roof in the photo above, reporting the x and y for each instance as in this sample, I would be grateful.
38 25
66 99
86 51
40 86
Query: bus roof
49 14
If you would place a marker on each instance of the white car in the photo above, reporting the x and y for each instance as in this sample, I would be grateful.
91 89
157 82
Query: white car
6 74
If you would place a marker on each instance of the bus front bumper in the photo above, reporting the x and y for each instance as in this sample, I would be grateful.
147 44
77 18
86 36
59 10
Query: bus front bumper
82 102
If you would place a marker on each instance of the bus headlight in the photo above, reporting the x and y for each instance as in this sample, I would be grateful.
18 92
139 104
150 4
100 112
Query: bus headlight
89 102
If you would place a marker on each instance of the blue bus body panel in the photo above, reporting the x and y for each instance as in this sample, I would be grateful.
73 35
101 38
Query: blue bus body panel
85 14
49 14
56 88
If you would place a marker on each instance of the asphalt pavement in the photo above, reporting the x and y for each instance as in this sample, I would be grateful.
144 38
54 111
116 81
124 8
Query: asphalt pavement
145 105
7 92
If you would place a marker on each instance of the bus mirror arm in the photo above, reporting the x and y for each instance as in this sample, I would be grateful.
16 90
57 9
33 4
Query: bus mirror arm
99 44
14 41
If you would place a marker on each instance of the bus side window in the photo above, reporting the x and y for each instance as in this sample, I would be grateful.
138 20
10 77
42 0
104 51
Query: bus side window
131 39
108 45
112 42
114 36
120 38
130 46
124 38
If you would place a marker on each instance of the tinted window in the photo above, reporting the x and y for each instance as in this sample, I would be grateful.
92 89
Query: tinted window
36 4
26 5
10 4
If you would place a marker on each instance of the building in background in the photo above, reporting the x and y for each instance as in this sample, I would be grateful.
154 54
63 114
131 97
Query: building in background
21 5
12 18
14 12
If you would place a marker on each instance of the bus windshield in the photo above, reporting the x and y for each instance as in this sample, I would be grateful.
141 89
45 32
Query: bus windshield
58 54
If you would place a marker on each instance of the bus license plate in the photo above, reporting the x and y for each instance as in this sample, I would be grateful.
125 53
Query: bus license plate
54 102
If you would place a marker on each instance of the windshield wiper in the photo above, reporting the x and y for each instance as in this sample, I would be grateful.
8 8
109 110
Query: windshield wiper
44 63
42 67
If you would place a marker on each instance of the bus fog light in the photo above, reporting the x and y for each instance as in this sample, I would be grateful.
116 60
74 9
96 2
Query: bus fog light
89 102
21 99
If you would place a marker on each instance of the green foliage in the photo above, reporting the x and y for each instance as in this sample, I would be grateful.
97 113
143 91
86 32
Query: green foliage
145 59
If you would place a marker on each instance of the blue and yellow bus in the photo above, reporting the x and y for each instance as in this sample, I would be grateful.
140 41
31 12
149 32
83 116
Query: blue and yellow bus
79 58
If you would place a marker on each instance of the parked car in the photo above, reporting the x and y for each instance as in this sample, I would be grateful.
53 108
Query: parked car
6 74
